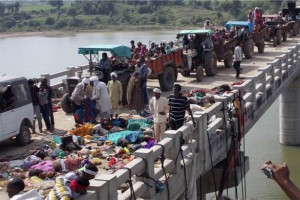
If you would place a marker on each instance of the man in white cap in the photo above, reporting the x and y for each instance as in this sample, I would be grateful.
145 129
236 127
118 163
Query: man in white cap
115 94
101 98
159 106
78 95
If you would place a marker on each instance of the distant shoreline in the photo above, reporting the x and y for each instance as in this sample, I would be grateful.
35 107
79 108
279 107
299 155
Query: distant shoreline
62 33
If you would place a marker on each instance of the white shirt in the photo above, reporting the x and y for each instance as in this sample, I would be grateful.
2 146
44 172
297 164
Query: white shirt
157 106
238 54
100 94
30 195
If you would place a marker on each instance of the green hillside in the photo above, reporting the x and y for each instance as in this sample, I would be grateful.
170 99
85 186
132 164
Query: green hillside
123 15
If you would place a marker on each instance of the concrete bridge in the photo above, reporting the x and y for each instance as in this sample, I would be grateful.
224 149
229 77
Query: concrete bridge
194 167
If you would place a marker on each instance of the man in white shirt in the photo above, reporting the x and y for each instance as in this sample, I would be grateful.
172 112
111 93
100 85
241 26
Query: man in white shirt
238 56
159 106
101 98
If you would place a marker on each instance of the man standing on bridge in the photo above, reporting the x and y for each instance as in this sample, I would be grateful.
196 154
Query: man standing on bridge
178 105
238 56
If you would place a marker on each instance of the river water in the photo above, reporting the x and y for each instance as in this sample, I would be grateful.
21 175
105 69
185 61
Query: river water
34 55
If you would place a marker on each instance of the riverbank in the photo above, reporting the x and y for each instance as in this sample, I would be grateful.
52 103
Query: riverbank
62 33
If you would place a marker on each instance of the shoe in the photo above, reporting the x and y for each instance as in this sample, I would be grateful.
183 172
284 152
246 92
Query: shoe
41 130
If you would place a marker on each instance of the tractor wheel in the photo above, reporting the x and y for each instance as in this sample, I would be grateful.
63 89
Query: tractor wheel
228 61
210 63
199 73
248 49
175 73
279 36
274 42
295 29
291 33
167 79
186 73
284 36
24 136
261 47
66 103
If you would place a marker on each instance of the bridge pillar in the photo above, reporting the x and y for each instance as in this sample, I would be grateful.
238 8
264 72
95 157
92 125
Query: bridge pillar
290 114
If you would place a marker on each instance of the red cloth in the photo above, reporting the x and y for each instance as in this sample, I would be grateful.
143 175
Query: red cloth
75 186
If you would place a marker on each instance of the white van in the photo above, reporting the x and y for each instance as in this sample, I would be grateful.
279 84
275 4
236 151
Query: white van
16 109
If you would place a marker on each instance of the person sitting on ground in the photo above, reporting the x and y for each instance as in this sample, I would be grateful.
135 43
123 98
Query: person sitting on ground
67 190
281 175
89 171
15 191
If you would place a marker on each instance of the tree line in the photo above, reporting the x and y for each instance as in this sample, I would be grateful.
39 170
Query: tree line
99 15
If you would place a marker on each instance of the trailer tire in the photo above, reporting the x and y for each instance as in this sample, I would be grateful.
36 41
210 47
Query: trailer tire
261 47
279 36
199 73
295 29
274 42
24 136
175 73
291 33
210 63
66 103
167 79
248 49
228 61
284 36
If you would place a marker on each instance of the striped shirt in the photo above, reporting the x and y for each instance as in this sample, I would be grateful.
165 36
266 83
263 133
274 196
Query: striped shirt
178 106
61 190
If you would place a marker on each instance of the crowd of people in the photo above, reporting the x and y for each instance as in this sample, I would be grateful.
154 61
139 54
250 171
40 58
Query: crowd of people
154 50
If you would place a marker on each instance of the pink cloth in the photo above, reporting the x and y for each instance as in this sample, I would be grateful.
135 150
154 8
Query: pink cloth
45 166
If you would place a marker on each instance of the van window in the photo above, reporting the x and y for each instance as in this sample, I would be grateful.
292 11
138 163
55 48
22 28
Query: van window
7 99
22 96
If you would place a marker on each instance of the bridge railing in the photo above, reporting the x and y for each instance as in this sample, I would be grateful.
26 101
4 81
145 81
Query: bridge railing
206 144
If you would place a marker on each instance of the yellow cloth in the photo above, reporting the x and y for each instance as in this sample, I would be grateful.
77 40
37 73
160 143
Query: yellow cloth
115 93
82 130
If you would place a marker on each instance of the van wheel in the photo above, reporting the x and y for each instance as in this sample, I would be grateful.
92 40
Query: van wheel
24 136
66 103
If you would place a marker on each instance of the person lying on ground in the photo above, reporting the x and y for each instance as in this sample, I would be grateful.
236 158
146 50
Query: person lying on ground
281 174
89 171
15 191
